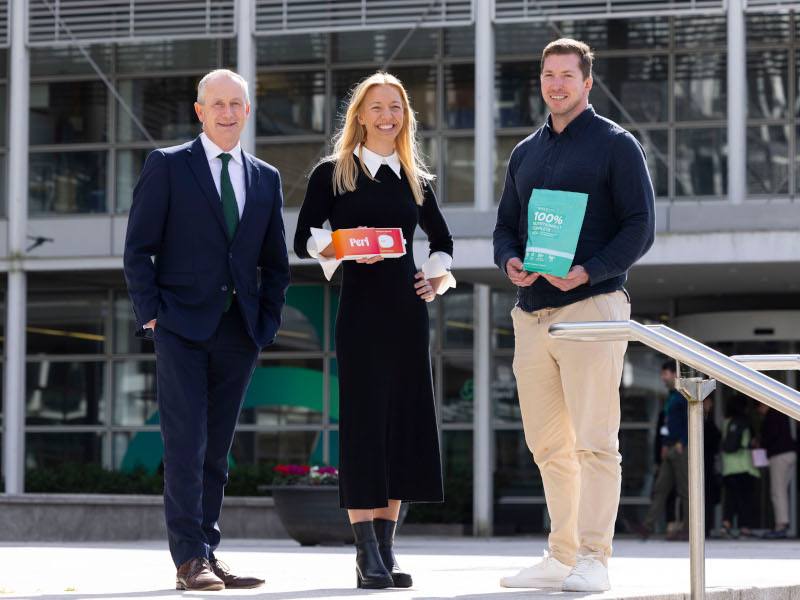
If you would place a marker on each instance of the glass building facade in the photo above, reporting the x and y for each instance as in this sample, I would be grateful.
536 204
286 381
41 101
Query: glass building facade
90 384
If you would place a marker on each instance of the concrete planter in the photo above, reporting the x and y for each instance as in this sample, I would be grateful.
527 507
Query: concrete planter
100 517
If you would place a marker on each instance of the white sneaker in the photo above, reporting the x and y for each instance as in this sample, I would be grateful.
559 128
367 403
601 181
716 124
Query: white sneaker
588 575
547 573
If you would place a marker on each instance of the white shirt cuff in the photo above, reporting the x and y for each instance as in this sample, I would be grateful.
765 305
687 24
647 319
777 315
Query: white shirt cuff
438 266
319 240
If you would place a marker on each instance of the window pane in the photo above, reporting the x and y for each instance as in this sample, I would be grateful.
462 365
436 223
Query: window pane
459 86
457 403
68 113
64 323
458 318
295 162
291 49
65 393
381 45
767 84
638 83
459 170
768 160
135 393
53 450
521 39
284 392
504 391
701 166
129 167
642 392
518 95
636 447
772 28
290 103
125 342
420 83
302 327
515 472
69 60
167 55
3 175
164 106
503 147
67 182
459 42
700 31
656 148
502 326
700 86
294 447
138 450
3 91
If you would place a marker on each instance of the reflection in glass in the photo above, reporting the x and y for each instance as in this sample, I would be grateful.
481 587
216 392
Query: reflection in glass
294 161
459 89
701 167
68 113
3 91
458 318
618 34
772 28
518 95
125 340
419 82
291 49
64 393
656 148
504 144
502 326
69 60
504 391
202 55
638 83
164 106
302 326
767 84
53 450
129 168
284 392
67 182
137 450
380 45
768 159
66 323
637 449
642 392
700 86
459 42
290 103
294 447
457 403
515 472
135 393
700 31
3 175
459 170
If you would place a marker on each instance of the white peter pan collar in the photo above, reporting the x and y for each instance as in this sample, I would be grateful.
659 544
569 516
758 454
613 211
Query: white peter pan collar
373 160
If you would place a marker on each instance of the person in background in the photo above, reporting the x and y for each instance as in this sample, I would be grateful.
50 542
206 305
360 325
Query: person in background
738 473
776 438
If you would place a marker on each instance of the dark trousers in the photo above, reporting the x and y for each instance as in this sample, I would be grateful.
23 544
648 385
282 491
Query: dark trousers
200 388
739 499
673 474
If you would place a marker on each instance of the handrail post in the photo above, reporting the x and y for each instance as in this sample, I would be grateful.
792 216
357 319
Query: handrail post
695 390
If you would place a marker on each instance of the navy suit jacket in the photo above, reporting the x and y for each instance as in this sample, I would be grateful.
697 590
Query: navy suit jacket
179 264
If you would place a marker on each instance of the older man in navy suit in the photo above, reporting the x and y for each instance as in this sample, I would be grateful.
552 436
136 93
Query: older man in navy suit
207 272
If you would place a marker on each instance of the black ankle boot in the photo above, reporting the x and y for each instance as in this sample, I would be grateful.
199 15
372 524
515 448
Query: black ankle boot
384 531
370 571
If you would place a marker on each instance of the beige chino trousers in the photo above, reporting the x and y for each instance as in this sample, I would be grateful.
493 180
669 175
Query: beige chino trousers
569 399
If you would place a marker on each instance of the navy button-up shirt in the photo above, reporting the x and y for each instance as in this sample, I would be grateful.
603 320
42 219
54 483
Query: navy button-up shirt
595 156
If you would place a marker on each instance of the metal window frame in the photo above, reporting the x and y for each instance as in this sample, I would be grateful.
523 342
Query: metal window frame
5 14
53 23
517 11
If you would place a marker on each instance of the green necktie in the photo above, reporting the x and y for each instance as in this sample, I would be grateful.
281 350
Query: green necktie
230 209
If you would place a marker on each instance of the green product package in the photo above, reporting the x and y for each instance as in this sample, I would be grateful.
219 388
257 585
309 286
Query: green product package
554 224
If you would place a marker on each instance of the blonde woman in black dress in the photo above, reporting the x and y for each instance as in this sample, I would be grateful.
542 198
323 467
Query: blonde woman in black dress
389 449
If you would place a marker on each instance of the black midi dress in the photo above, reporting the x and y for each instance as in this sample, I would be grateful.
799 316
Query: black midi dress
388 437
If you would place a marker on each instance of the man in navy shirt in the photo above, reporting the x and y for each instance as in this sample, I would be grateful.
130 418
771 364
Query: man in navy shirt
569 391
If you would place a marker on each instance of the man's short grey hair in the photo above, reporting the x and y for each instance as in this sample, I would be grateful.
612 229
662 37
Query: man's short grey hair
201 87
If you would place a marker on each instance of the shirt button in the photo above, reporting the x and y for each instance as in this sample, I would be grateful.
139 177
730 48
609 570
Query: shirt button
224 288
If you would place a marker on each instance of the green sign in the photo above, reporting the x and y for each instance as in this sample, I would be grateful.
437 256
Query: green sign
554 224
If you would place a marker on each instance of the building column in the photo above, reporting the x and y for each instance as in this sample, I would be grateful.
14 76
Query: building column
737 103
17 194
484 106
482 444
246 66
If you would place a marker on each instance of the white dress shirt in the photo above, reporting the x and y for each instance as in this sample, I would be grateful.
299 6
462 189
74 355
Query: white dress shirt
373 160
235 169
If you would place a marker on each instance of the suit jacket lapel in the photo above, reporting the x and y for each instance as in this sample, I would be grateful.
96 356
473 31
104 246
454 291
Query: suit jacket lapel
251 174
199 165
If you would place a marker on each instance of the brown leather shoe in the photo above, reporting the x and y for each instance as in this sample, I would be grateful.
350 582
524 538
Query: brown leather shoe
196 574
232 581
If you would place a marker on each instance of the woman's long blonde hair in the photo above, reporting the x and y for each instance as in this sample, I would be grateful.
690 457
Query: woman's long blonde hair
351 134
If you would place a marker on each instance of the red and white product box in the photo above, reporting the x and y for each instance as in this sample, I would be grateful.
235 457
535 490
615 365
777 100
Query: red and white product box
366 242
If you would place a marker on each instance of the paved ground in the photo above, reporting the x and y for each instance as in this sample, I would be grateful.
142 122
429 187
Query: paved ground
443 568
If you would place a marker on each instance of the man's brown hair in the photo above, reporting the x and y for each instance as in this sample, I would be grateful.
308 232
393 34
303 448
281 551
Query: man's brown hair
570 46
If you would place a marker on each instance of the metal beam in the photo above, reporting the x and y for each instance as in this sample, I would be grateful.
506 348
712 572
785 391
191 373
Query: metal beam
484 106
737 103
246 67
482 445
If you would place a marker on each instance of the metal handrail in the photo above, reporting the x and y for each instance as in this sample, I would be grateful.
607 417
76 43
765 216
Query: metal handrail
738 372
